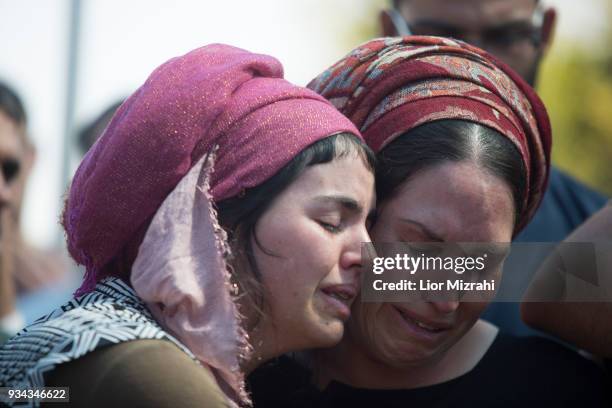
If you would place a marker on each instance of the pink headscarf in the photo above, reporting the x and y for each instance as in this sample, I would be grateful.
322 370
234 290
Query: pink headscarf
213 98
214 95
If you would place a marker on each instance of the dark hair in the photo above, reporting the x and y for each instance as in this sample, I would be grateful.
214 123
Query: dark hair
11 104
450 140
239 215
92 131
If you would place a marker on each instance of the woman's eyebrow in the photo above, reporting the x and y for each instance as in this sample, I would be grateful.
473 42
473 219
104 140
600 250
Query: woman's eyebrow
345 202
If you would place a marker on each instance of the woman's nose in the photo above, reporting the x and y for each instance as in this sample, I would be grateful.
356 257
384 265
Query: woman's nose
353 254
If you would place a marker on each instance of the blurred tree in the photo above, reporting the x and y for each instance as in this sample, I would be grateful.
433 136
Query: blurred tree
576 85
366 26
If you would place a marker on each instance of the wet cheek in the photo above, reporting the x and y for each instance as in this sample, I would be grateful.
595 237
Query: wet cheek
387 326
305 257
286 298
469 313
387 342
366 322
279 223
320 253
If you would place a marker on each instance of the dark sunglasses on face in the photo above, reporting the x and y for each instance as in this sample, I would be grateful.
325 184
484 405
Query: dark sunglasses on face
10 169
502 37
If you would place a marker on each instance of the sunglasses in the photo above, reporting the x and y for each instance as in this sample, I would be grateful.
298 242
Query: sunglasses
10 169
503 37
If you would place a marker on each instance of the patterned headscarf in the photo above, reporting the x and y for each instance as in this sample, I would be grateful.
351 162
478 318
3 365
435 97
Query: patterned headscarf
389 86
152 171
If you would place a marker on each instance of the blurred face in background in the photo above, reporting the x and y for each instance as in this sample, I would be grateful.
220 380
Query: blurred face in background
15 160
516 31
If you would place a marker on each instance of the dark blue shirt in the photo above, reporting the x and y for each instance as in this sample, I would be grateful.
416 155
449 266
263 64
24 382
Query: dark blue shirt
567 203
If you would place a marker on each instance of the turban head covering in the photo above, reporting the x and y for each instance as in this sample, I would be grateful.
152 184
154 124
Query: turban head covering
389 86
203 127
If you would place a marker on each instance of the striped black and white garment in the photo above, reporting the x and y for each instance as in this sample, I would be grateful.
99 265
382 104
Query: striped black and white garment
111 314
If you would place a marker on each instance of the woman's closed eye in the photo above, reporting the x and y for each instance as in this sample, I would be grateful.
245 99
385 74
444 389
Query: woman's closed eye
331 224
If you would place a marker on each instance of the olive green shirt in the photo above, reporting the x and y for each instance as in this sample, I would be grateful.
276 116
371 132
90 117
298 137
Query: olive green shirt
140 373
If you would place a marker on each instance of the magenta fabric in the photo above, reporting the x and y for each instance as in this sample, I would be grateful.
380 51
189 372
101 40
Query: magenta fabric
216 95
388 86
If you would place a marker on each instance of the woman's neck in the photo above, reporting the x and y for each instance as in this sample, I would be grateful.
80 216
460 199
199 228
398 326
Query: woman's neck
266 344
349 363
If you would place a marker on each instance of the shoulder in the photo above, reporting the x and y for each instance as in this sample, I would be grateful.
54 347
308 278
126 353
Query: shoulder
138 373
94 324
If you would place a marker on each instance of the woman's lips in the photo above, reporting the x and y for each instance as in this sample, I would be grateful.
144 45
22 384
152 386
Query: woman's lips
340 298
421 327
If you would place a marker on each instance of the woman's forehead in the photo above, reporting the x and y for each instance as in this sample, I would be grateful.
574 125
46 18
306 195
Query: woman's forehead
454 200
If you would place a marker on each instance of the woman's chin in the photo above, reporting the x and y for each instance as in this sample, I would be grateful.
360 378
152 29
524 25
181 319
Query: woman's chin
330 333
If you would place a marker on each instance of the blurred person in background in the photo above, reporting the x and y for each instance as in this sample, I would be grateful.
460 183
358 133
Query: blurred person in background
13 152
519 32
25 269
